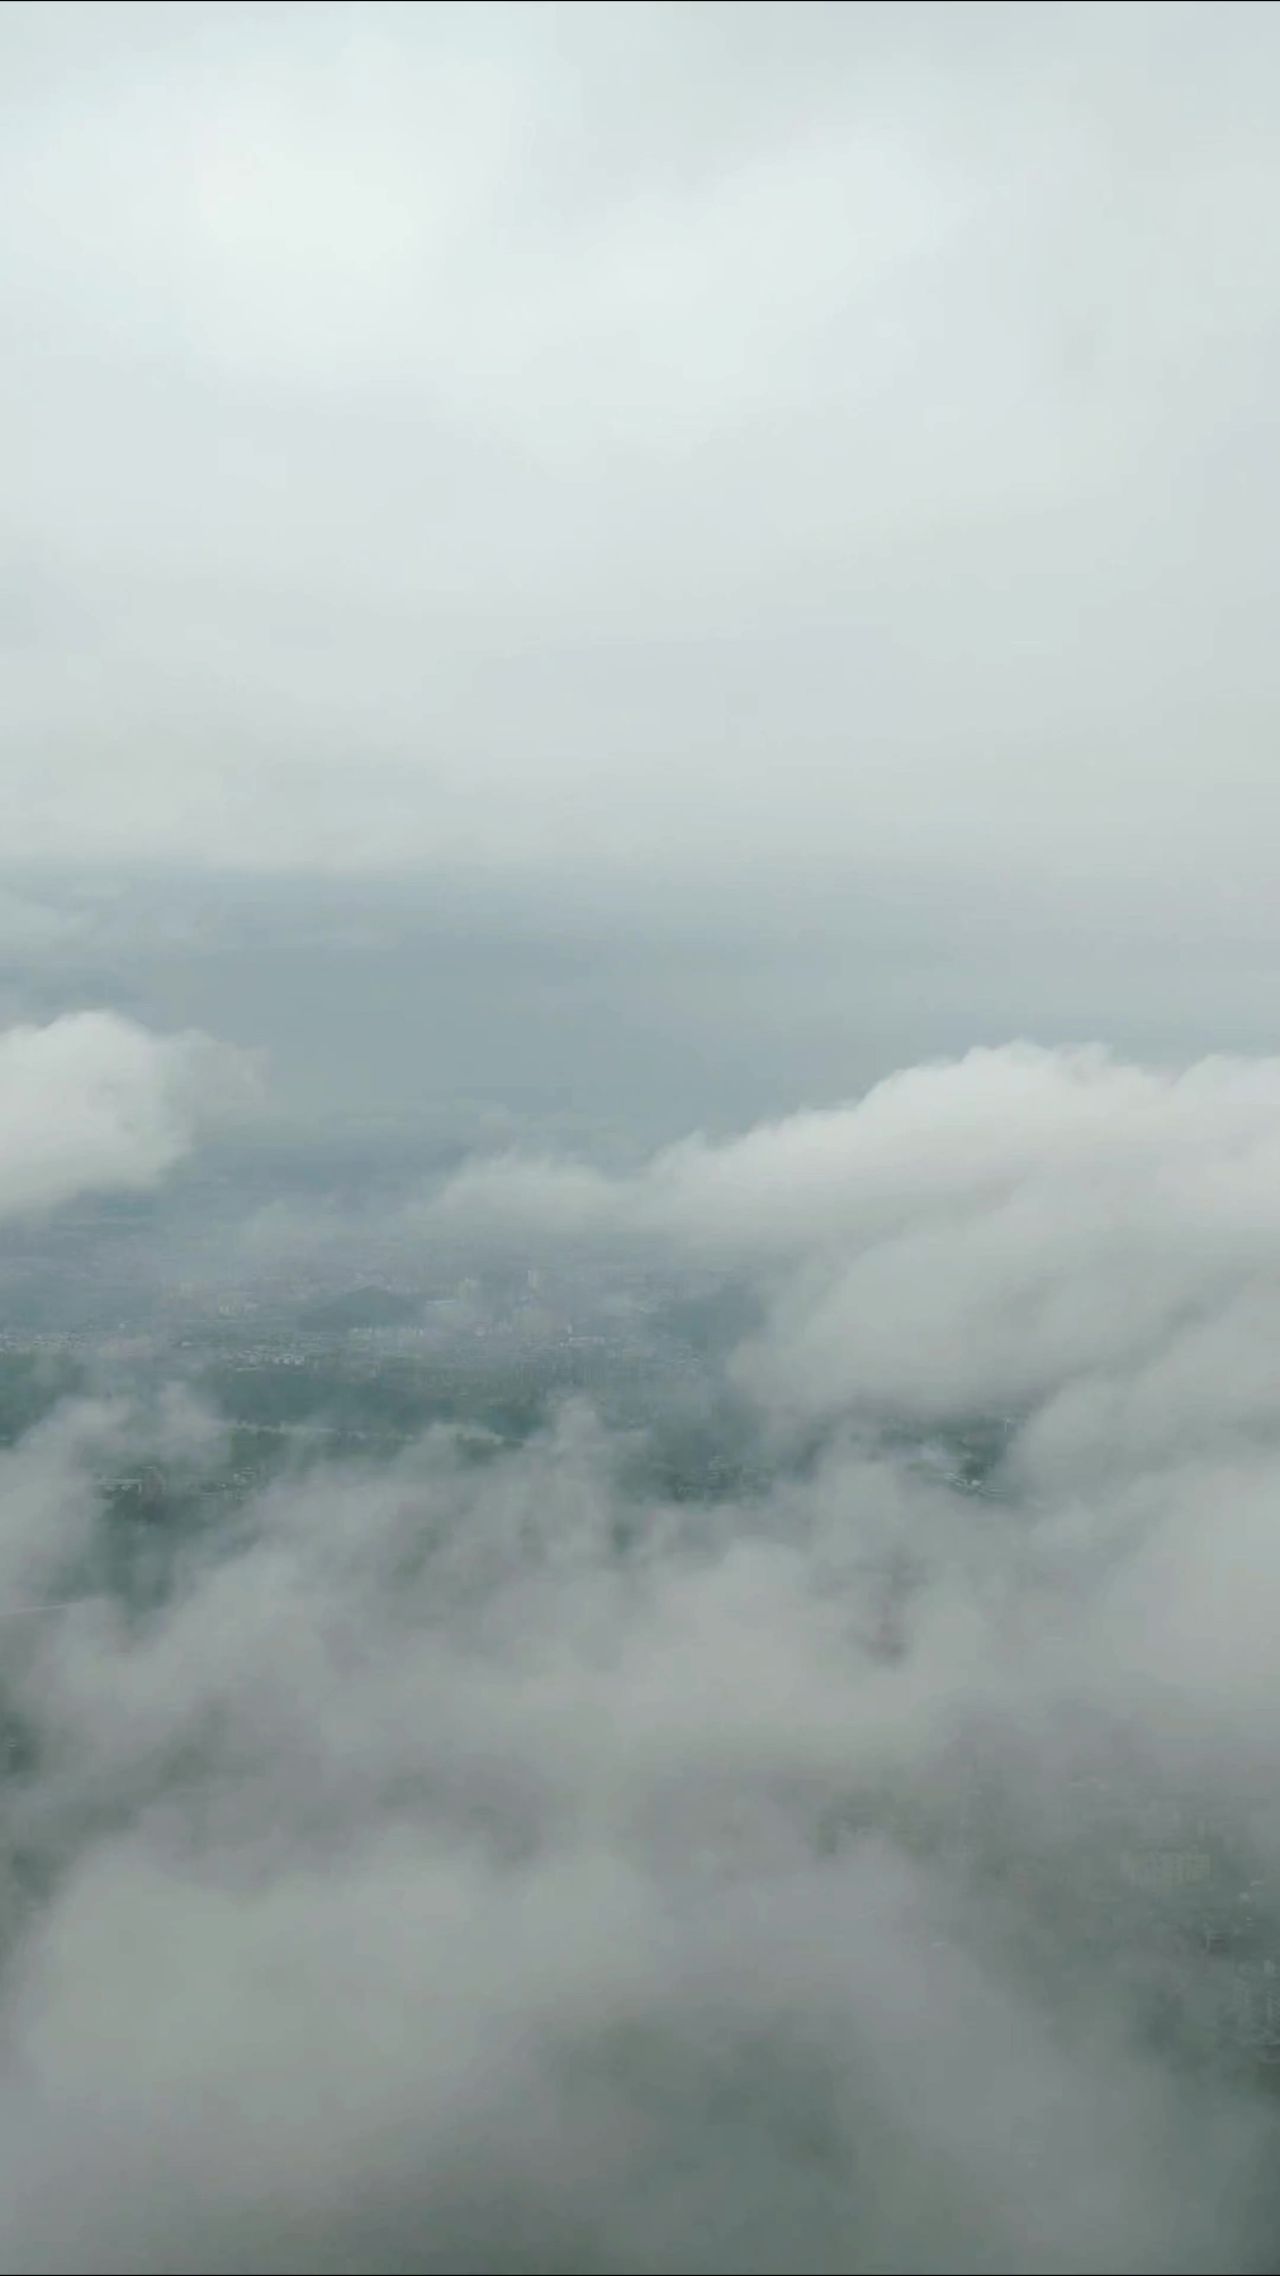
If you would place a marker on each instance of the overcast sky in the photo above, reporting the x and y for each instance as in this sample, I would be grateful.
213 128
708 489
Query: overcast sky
660 444
609 575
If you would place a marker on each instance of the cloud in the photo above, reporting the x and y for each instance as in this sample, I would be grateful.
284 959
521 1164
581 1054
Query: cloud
92 1103
998 1231
614 470
427 1886
676 449
468 1861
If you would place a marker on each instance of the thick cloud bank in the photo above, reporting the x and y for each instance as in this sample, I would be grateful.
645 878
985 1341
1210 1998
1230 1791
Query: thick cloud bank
467 1863
998 1229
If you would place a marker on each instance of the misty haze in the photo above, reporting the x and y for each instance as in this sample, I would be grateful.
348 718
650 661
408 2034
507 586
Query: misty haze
639 1137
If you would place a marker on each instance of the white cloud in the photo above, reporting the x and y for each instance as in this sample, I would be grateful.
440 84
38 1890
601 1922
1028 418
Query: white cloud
433 1887
92 1103
987 1233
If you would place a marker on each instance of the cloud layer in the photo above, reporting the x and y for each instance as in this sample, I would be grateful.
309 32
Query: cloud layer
429 1888
464 1862
1002 1230
685 444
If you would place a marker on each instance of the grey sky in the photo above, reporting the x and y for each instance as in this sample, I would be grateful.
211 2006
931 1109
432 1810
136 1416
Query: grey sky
653 443
587 581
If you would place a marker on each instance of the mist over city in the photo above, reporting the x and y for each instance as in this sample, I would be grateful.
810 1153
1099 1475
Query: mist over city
639 1138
